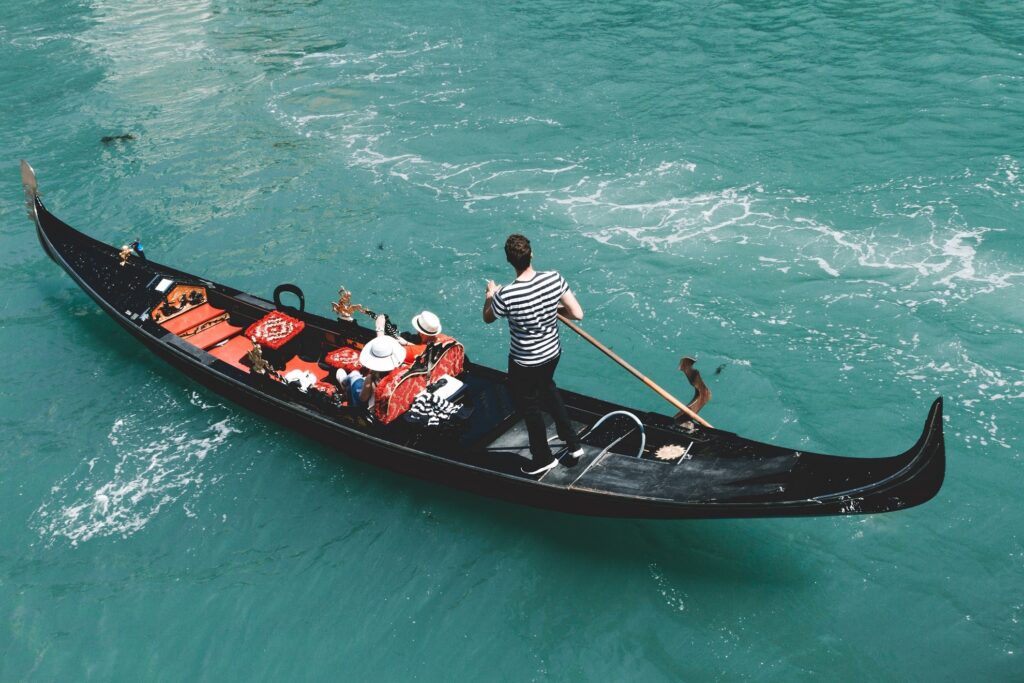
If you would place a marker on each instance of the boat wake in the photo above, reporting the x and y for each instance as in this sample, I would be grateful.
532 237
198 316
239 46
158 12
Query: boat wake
906 238
147 466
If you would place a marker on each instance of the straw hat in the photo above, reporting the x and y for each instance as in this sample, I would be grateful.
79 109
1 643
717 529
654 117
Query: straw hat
427 323
382 354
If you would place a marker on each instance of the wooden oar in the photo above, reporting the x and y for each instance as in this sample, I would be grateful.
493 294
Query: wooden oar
636 373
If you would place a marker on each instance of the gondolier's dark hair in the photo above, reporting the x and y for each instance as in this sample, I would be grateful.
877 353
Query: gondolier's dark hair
518 251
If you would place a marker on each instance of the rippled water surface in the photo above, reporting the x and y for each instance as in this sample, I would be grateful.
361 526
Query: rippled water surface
822 202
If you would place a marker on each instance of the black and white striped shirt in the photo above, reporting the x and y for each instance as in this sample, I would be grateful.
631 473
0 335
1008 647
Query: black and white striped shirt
532 311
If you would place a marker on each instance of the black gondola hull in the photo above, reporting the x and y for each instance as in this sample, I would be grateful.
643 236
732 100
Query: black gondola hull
807 484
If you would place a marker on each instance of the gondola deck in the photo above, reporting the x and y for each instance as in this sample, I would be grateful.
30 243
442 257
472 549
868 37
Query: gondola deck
719 474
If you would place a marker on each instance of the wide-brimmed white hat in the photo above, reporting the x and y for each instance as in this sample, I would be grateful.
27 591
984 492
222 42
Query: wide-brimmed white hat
383 354
427 323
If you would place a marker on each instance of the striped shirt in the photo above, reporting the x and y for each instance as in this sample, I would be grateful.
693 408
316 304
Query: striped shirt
532 309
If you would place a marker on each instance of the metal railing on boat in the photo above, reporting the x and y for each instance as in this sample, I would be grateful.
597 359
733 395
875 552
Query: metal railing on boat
604 451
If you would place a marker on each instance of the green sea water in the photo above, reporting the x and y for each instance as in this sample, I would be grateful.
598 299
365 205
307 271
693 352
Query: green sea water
822 202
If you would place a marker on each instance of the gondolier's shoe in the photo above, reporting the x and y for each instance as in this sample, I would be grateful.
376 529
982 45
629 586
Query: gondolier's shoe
572 458
550 466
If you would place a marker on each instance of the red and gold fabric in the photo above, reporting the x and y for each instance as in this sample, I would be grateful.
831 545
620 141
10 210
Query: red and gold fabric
274 330
450 360
325 387
345 358
396 392
448 363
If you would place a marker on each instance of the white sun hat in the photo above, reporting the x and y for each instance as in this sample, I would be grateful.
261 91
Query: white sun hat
427 323
382 354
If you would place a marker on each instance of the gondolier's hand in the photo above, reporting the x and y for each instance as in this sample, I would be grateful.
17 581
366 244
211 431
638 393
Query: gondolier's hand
489 316
378 324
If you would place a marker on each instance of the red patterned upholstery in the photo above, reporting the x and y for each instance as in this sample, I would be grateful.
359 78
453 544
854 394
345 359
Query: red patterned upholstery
345 358
326 388
451 361
274 329
396 392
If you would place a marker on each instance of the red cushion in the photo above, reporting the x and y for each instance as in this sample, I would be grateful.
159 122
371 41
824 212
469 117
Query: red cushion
345 358
274 329
413 350
233 351
297 363
213 335
191 318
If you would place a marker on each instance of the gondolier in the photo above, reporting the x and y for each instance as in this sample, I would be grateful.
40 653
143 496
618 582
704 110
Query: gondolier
531 303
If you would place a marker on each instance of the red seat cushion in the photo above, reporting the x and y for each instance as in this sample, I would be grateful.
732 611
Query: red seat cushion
191 318
233 351
213 335
274 329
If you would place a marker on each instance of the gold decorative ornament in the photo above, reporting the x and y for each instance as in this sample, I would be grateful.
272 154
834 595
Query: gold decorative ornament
670 452
260 365
124 254
344 308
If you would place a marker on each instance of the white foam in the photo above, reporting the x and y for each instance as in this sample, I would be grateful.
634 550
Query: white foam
148 466
824 265
975 385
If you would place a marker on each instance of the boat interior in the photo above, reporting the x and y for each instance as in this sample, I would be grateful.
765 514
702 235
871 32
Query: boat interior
488 429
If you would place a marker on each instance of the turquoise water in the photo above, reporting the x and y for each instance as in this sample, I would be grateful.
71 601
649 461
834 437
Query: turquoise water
822 200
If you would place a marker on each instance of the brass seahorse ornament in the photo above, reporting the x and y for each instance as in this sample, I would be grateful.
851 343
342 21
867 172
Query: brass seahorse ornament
260 365
343 307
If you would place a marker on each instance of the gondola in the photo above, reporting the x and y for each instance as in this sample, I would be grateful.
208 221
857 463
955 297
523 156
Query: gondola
635 464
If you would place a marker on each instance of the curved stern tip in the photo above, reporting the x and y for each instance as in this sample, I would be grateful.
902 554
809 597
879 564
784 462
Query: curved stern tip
935 414
28 179
930 456
931 436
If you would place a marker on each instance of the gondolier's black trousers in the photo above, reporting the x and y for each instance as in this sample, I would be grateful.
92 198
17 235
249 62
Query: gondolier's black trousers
533 389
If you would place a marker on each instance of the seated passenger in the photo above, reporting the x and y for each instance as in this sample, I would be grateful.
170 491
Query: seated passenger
379 357
428 327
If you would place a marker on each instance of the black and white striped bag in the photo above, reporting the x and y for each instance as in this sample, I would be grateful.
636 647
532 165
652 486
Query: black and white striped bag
431 410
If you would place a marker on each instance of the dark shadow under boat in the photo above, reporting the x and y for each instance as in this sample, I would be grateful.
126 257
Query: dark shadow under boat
715 473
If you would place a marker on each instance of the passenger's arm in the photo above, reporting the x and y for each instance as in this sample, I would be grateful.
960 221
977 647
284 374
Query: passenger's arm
369 383
569 307
489 316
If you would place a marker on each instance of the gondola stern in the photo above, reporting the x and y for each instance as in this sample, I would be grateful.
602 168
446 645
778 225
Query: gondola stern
925 470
